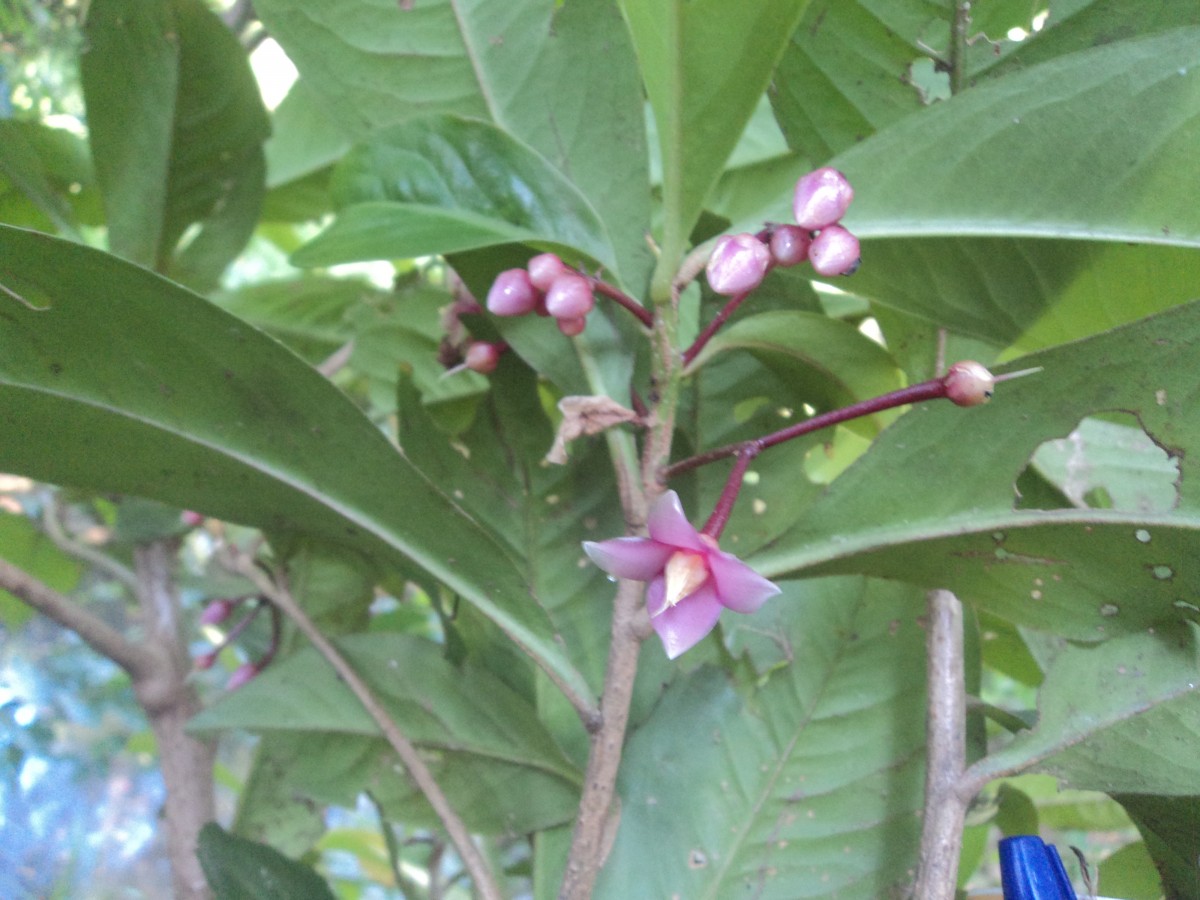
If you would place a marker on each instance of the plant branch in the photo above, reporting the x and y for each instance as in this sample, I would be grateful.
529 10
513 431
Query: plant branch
52 525
595 825
279 594
945 728
97 634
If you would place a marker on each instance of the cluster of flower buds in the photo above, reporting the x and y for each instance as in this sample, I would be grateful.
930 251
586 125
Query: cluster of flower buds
739 262
548 287
216 613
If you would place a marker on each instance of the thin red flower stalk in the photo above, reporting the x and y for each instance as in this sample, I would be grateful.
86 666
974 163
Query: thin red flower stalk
949 386
232 634
616 294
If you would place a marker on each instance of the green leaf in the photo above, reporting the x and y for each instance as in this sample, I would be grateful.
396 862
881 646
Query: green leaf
1130 873
441 185
948 171
128 383
43 164
130 76
1170 827
845 73
830 363
807 786
1135 733
269 810
705 65
238 869
176 127
558 77
1081 573
480 732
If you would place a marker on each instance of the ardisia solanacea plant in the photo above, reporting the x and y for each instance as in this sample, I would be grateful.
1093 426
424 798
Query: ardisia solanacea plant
659 300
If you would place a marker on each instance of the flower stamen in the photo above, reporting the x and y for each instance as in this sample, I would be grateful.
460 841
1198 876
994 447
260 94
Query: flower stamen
685 572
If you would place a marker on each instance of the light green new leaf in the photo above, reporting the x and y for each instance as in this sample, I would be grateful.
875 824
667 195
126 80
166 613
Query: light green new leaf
126 382
442 185
560 78
705 65
952 521
807 786
464 715
23 546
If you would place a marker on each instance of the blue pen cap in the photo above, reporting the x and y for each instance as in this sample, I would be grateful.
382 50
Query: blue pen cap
1031 869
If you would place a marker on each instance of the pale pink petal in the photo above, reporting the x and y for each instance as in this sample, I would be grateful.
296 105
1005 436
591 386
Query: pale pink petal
681 627
738 586
656 596
669 525
639 559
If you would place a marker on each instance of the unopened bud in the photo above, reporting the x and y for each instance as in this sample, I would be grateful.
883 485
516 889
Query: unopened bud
512 294
217 612
482 357
822 198
544 268
738 264
968 383
834 251
570 297
241 675
789 245
572 327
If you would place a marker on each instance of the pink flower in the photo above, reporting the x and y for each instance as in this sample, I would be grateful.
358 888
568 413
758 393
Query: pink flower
691 579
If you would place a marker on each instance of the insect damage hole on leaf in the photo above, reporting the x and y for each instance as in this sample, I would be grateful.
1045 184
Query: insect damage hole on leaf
1107 461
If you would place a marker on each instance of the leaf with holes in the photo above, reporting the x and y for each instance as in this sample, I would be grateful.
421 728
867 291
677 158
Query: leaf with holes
952 520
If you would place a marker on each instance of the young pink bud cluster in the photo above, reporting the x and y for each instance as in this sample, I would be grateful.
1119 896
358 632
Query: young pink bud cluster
821 199
548 287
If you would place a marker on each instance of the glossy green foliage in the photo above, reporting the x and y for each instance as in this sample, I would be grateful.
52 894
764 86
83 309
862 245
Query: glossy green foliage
1042 215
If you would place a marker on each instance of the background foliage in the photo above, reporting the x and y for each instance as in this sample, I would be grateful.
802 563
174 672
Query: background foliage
1025 192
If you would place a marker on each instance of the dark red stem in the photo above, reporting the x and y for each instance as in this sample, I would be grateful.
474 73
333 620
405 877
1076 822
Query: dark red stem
729 494
926 390
612 293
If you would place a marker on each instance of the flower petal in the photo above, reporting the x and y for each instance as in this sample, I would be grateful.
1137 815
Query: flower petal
738 586
681 627
656 596
639 559
669 525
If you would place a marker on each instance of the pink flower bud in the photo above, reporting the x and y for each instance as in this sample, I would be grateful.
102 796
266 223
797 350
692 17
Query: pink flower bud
512 294
738 264
968 383
821 198
572 327
482 357
191 519
241 675
834 251
217 612
570 297
206 661
544 268
789 245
